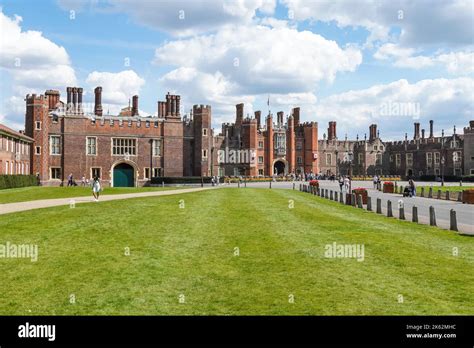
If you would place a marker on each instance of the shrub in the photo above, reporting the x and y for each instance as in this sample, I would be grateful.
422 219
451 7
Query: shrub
314 183
12 181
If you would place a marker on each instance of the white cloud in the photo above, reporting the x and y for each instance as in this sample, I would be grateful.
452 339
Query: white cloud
34 64
446 101
421 22
185 18
460 63
259 59
117 88
239 63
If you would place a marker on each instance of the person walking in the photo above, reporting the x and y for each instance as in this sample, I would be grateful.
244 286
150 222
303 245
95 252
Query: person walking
375 181
96 188
341 182
70 180
411 185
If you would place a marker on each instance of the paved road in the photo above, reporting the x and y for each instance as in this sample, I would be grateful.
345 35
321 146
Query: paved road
464 212
46 203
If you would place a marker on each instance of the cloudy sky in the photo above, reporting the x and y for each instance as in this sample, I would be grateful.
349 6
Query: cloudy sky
357 62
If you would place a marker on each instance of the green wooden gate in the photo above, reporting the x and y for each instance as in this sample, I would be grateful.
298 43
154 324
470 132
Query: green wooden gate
124 175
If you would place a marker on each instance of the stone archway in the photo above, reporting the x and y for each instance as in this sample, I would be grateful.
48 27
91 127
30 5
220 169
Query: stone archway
124 174
279 167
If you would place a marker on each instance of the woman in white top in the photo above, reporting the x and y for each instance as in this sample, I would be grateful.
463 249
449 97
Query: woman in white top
96 188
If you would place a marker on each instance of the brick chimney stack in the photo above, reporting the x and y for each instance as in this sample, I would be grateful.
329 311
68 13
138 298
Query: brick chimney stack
53 98
422 134
79 100
332 130
69 99
372 132
431 128
417 131
258 116
98 101
280 118
239 114
74 99
296 116
135 105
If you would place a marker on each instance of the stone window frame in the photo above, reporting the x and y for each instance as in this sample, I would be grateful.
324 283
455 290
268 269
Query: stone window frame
204 154
409 159
145 173
260 142
87 146
154 147
378 159
51 173
429 159
159 169
36 150
204 132
92 172
123 138
299 160
52 146
260 172
329 156
36 125
398 160
260 159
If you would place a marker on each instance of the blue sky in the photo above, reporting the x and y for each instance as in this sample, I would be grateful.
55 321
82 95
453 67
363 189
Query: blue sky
338 60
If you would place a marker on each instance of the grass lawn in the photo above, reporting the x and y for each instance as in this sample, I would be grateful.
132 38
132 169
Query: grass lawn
456 188
190 251
33 193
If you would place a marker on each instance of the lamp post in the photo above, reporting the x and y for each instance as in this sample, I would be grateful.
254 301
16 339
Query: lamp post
442 170
351 157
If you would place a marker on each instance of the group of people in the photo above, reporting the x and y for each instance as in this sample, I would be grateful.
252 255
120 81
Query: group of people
95 184
215 180
344 183
410 190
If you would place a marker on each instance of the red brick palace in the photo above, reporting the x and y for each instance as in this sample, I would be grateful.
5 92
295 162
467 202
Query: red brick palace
128 149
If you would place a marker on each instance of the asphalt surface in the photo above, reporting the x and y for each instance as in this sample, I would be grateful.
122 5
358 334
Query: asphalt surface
464 212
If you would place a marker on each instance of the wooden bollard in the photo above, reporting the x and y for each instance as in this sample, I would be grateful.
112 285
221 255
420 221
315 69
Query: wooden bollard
414 214
335 196
389 208
430 192
238 184
293 186
301 187
245 183
439 194
432 216
422 194
341 198
453 224
331 195
359 201
353 200
369 204
270 184
379 206
447 195
460 196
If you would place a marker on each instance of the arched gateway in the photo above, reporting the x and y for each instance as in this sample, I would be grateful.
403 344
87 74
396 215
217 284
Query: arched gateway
124 175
